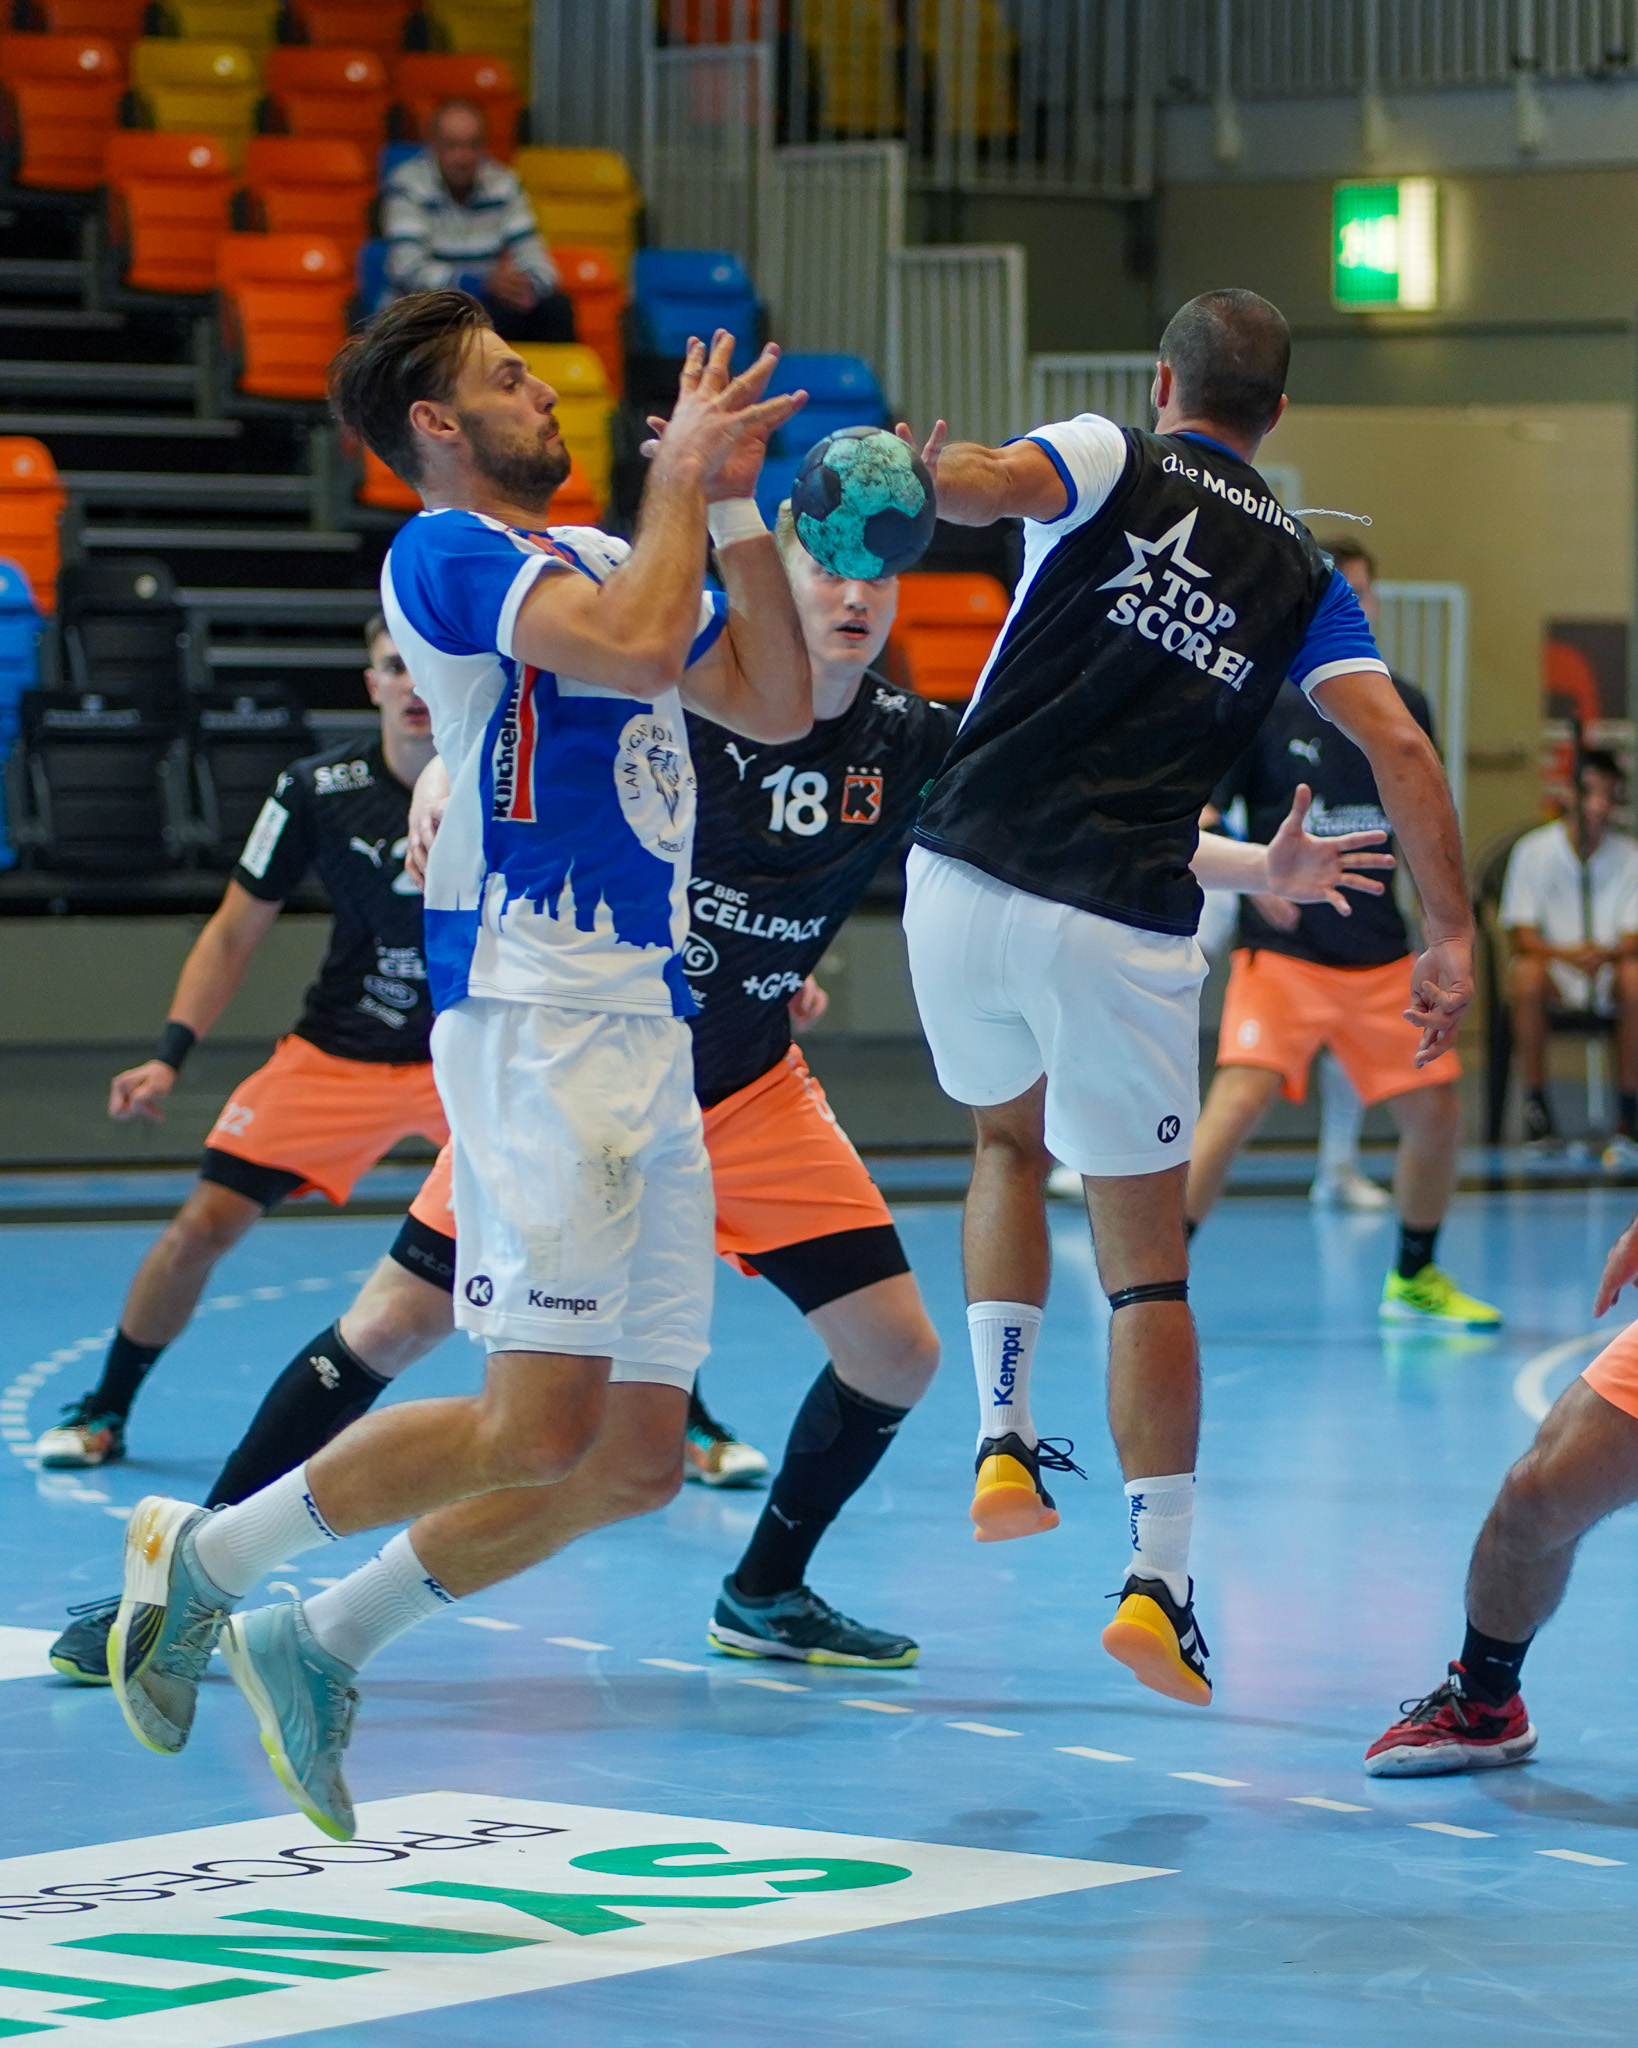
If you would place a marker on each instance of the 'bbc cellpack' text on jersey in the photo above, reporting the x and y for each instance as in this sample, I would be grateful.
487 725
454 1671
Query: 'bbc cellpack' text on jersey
1155 621
560 872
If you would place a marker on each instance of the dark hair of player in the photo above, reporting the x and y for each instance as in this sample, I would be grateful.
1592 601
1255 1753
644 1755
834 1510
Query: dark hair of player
1228 352
412 349
1601 763
1346 549
375 628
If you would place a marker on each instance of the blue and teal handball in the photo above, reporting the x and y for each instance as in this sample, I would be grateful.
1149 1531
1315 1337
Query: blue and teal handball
864 503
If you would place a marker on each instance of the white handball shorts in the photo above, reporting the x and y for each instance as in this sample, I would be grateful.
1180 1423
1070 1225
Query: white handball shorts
583 1206
1011 986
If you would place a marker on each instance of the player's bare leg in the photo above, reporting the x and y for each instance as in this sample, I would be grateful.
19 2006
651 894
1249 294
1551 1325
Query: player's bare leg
1235 1104
1417 1290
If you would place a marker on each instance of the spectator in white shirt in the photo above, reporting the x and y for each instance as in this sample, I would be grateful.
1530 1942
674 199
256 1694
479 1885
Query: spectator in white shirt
453 217
1570 901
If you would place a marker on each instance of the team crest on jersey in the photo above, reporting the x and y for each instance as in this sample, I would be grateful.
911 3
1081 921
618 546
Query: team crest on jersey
655 780
514 759
862 798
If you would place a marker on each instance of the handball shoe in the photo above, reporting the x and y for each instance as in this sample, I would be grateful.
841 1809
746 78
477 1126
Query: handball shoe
801 1626
1008 1497
1433 1301
1158 1641
169 1617
305 1704
81 1651
714 1456
1447 1731
86 1436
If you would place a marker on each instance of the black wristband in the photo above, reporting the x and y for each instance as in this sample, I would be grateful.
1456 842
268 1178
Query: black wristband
176 1041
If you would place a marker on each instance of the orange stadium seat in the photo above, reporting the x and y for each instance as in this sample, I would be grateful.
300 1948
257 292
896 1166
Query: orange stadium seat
376 25
31 503
573 503
945 629
285 298
170 198
62 98
117 21
425 82
598 295
311 185
342 92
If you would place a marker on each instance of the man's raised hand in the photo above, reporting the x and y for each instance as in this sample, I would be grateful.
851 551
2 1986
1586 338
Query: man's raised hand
719 428
1306 869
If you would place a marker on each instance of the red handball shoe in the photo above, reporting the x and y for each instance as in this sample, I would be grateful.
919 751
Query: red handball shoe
1447 1731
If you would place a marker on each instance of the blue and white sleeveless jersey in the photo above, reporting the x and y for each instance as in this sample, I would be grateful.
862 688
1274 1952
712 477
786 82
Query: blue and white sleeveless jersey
560 872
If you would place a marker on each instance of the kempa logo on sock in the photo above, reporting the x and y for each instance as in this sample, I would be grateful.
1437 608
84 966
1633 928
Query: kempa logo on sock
319 1522
1012 1347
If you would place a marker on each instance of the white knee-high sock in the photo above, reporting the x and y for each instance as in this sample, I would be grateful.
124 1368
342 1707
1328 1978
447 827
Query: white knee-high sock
1003 1337
1161 1520
1342 1117
236 1545
380 1600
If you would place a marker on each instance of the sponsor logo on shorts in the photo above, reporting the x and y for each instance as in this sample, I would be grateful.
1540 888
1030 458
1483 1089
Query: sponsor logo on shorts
568 1304
1249 1032
1012 1349
1169 1128
480 1290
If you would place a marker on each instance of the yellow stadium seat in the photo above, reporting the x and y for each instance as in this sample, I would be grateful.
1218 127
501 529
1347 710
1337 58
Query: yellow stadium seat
584 198
977 89
853 47
205 87
584 406
479 28
254 23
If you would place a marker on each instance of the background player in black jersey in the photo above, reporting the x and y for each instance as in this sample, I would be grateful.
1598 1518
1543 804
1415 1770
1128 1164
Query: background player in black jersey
1051 908
353 1077
1306 979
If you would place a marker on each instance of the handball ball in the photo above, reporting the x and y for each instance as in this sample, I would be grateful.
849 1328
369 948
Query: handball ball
864 503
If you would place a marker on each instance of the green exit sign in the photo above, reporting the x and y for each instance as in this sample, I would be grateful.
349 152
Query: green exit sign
1385 246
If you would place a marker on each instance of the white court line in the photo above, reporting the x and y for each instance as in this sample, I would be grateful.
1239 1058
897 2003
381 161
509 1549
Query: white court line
577 1643
1444 1827
981 1728
484 1621
1581 1856
774 1684
876 1706
1329 1805
669 1664
1530 1382
1206 1778
1098 1756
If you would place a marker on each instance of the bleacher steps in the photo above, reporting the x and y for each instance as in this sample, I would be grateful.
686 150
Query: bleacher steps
253 539
158 489
23 377
122 426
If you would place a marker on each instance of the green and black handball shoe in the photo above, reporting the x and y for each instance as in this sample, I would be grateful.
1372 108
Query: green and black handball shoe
803 1628
81 1651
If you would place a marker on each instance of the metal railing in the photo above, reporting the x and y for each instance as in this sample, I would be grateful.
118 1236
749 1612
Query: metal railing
1117 386
707 128
955 340
832 216
1421 629
587 84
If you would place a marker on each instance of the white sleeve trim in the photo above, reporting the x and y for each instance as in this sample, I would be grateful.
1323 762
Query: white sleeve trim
1353 665
530 569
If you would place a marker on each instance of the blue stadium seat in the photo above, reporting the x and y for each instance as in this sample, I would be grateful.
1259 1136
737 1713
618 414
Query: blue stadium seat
679 292
390 155
773 486
372 276
842 392
19 670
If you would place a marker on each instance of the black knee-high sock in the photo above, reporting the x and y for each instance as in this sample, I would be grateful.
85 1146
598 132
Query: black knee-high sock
323 1388
836 1442
127 1365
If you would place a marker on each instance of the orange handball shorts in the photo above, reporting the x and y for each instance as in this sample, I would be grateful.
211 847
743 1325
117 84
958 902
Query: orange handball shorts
783 1168
327 1119
1614 1372
1279 1012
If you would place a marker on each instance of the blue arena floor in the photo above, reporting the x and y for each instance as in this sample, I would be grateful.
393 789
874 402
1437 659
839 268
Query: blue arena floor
1230 1876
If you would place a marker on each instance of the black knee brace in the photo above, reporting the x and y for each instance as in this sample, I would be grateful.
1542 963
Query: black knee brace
1150 1290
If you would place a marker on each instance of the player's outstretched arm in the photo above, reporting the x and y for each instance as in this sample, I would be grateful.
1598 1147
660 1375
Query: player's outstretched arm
1365 705
755 678
1295 865
978 485
210 975
634 632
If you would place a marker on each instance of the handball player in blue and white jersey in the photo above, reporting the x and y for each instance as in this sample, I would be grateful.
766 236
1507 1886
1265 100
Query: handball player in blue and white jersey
556 664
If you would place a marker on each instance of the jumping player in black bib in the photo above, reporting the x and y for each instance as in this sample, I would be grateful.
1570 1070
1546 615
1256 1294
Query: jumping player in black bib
1051 911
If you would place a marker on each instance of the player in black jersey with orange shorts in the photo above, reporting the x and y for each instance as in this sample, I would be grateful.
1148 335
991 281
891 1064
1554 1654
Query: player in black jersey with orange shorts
353 1077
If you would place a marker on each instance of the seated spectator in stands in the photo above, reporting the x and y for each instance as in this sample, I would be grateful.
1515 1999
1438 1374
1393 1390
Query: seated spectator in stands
452 216
1570 901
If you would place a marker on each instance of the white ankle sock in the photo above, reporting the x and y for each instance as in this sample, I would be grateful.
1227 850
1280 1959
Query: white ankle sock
1003 1337
1161 1521
236 1545
380 1600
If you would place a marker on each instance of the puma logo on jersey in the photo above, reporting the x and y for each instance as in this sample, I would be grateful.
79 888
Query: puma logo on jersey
1308 749
741 761
372 853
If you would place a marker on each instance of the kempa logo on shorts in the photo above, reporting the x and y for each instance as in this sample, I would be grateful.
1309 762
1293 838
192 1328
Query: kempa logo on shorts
566 1302
1012 1349
480 1290
1168 1128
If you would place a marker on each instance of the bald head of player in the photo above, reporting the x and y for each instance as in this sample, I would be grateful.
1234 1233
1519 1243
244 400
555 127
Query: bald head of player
1223 360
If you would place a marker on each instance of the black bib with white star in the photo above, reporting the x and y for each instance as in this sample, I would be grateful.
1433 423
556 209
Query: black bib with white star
1141 661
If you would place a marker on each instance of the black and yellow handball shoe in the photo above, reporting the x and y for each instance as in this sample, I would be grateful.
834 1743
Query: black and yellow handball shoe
1158 1641
1009 1499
